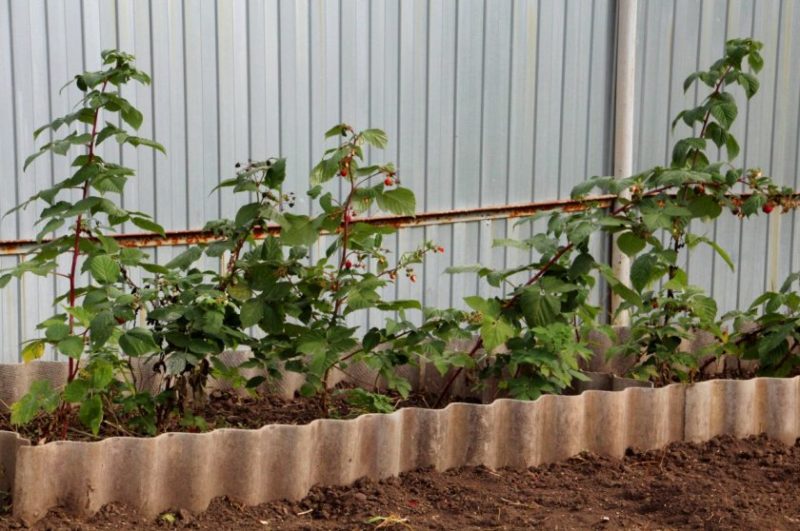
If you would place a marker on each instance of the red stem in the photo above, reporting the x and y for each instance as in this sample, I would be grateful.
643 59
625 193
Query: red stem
74 364
707 117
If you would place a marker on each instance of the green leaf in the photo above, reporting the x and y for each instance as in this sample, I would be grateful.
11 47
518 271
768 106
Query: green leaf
656 219
324 171
71 346
678 282
33 351
276 173
689 80
724 110
753 204
138 342
148 225
336 130
136 141
692 240
240 291
91 413
643 270
732 147
704 307
312 344
82 315
49 227
400 201
582 264
247 214
539 309
495 332
488 307
132 117
104 269
251 313
76 391
376 137
755 61
56 332
683 148
749 83
101 328
397 305
185 259
131 256
705 207
630 244
472 268
361 297
110 246
579 232
40 397
299 230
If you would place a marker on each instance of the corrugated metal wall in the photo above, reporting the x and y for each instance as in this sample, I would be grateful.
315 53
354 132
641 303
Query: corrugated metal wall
485 102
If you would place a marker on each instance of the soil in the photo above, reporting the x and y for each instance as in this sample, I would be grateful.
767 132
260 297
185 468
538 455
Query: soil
725 483
224 409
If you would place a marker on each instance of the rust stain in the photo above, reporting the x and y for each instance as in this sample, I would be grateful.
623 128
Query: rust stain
443 217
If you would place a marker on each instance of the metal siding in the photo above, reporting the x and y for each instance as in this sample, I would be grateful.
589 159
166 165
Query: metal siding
484 103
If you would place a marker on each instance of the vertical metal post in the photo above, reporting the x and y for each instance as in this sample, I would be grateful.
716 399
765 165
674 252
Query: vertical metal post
623 128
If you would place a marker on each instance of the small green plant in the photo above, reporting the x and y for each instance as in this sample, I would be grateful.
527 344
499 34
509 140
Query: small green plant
93 322
363 401
769 330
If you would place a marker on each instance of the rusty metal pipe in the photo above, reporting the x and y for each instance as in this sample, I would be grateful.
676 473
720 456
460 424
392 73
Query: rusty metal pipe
443 217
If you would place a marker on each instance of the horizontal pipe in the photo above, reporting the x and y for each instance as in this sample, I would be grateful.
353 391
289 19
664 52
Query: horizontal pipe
443 217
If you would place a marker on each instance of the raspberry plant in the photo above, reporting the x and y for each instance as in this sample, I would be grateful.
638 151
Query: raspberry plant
178 319
93 320
653 222
768 331
532 339
301 303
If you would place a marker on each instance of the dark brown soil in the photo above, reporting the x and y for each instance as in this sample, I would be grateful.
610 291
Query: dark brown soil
723 484
224 409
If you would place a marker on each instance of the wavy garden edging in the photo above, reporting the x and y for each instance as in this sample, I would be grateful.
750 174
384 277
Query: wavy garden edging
181 470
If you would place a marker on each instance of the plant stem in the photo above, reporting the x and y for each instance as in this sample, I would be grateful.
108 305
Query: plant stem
339 300
452 379
73 271
707 116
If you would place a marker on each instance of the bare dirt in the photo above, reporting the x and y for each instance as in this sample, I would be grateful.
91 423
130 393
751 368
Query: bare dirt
224 409
722 484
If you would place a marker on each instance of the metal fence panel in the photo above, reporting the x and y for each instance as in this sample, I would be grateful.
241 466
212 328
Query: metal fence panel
484 102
